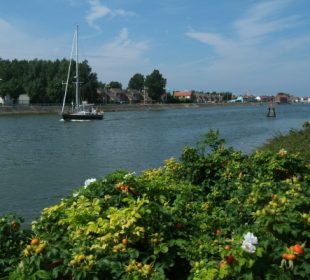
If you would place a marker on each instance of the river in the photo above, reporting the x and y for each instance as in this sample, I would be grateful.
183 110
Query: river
44 159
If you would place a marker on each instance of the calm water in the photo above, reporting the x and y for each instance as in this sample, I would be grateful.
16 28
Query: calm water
43 159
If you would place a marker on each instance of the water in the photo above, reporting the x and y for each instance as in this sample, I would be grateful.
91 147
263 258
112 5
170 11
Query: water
43 159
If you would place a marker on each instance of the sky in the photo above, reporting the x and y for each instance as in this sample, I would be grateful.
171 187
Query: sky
243 46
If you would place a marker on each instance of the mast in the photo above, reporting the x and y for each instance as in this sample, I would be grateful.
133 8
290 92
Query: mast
77 68
68 75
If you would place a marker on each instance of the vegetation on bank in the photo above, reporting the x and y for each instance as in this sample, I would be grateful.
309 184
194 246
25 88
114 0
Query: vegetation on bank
296 141
213 214
43 81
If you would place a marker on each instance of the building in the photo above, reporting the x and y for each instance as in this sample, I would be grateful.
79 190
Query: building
282 98
23 99
304 99
116 95
135 96
6 100
184 95
239 99
266 98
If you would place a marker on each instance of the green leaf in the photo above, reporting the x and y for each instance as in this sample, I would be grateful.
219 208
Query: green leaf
164 248
42 274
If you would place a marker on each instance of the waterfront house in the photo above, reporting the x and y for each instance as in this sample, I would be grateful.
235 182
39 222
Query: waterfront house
23 99
266 98
202 97
249 98
6 100
239 99
304 99
134 96
117 95
184 95
282 98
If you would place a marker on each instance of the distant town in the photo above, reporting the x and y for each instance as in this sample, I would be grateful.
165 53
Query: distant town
41 82
131 96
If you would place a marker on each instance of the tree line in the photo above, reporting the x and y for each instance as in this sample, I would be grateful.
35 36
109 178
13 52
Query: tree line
44 81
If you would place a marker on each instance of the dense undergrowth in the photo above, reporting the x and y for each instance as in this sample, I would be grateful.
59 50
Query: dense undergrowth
296 141
213 214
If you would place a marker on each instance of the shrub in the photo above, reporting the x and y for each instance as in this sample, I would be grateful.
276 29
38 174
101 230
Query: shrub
12 239
215 214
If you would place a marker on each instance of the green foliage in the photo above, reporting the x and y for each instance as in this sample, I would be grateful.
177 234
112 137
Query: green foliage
115 84
296 141
189 219
12 239
136 82
155 84
42 80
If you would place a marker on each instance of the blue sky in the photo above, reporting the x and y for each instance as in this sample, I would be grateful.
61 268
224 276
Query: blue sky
243 46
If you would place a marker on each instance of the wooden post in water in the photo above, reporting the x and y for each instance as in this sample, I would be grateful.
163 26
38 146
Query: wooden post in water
271 110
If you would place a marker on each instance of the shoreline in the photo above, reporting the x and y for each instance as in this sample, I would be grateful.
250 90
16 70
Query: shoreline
56 109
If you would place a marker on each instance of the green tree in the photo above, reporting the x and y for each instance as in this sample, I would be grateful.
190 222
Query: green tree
155 84
136 82
42 80
226 95
115 84
89 82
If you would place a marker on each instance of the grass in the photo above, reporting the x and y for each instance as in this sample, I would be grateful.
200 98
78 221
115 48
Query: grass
296 141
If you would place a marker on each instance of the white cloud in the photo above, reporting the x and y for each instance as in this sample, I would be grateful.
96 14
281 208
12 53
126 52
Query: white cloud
116 60
264 18
220 43
98 11
119 59
257 53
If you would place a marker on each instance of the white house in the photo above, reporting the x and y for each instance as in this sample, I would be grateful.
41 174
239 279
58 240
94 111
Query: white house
305 99
238 99
23 99
6 100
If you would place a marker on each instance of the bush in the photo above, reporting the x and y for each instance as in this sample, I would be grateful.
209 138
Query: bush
215 214
12 239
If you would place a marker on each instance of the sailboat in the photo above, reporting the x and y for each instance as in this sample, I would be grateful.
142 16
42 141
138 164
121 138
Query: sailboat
78 111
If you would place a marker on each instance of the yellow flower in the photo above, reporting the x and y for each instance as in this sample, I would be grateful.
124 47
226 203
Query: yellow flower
282 153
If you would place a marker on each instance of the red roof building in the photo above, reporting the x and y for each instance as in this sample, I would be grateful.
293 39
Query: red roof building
183 95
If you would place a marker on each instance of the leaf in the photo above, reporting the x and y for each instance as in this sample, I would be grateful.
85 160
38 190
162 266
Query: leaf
42 274
248 276
164 248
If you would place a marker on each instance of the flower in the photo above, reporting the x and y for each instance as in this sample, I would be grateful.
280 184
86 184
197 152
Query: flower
129 175
88 182
76 194
248 242
248 247
250 238
282 153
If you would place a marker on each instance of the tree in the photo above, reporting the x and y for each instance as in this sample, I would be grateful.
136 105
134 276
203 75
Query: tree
42 80
155 84
89 82
136 82
115 84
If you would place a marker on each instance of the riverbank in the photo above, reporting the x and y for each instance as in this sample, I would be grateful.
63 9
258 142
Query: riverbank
296 141
56 109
